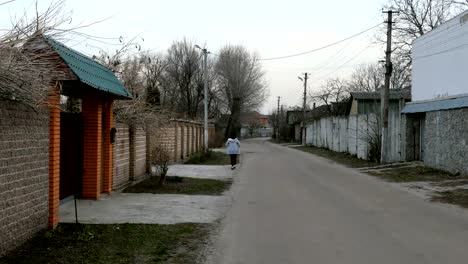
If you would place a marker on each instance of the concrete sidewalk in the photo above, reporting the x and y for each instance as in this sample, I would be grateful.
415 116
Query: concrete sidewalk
201 171
143 208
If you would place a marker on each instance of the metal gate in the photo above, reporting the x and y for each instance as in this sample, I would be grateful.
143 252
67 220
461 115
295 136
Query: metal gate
71 154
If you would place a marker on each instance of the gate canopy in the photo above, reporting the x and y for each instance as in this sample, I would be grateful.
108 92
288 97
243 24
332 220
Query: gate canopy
89 71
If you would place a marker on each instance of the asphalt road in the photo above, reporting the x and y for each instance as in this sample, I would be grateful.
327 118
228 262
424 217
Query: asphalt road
293 207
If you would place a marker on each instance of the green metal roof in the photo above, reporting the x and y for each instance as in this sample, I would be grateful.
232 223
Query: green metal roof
89 71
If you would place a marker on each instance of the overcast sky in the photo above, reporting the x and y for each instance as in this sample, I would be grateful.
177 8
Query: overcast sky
270 28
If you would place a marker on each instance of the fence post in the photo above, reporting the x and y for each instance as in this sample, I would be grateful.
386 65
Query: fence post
176 128
132 138
148 149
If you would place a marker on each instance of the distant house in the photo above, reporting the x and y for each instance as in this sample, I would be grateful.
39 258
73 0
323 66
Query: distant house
294 118
254 124
363 103
435 123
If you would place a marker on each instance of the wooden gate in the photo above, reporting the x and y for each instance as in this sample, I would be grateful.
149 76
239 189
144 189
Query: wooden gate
71 154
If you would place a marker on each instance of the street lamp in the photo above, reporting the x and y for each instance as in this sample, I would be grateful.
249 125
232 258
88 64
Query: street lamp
205 75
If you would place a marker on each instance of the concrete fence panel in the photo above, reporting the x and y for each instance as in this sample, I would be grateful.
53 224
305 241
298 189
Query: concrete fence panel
352 135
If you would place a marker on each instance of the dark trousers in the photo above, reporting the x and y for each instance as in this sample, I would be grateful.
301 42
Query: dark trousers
233 159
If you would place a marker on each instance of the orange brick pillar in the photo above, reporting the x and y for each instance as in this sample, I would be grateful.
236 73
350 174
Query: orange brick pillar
54 158
108 124
92 120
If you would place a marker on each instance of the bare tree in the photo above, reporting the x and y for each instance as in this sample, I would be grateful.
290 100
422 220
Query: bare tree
25 75
370 77
183 85
366 77
153 70
240 80
401 74
131 74
114 59
240 75
139 72
334 91
417 17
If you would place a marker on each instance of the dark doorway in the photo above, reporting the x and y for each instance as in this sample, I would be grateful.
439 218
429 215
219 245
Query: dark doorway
71 154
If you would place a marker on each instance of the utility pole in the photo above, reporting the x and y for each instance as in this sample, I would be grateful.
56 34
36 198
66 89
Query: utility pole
278 120
205 75
384 101
304 108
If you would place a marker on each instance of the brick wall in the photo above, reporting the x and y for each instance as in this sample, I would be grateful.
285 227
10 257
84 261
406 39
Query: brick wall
445 140
178 137
140 153
166 137
24 173
121 157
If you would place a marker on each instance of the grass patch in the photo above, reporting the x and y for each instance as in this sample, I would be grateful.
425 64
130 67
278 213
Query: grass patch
180 185
209 158
415 174
343 158
126 243
457 196
452 183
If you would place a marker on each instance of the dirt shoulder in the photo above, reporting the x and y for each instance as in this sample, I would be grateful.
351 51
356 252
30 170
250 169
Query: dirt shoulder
342 158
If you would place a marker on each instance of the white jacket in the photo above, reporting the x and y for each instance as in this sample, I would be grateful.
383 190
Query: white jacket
233 146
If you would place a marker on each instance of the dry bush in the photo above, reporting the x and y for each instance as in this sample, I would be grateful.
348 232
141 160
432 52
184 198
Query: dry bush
160 157
373 137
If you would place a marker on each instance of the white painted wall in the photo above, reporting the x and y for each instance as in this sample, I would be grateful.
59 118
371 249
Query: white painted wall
350 134
440 61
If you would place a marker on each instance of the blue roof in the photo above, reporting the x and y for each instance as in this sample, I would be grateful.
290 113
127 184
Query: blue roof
89 71
428 106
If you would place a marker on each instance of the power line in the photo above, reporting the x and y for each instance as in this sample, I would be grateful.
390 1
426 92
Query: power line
326 63
343 64
337 58
333 59
311 51
321 48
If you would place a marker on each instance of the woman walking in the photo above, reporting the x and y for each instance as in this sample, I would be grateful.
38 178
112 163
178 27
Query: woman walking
233 149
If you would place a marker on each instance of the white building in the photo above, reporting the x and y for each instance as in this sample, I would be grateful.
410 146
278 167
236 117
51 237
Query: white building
440 61
435 124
